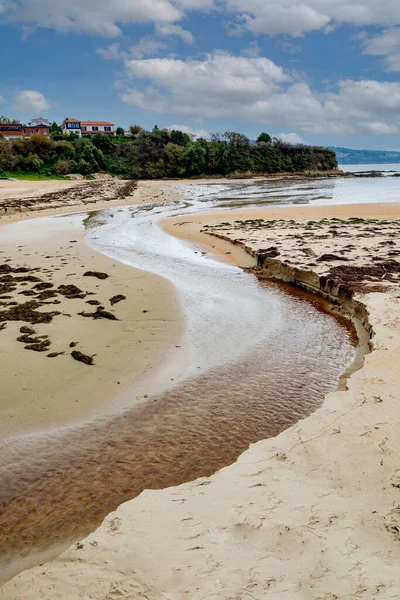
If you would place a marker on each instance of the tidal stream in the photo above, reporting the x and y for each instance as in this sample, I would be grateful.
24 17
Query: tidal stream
267 355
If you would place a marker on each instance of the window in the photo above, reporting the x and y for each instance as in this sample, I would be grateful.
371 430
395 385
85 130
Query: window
37 130
107 128
73 125
95 128
84 128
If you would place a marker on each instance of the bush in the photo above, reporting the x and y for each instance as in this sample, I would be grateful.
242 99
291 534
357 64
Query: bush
62 167
31 164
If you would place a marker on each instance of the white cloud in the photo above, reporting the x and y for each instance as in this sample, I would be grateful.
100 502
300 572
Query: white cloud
169 29
386 45
197 133
112 52
31 100
258 90
289 138
96 17
271 17
253 50
2 100
296 17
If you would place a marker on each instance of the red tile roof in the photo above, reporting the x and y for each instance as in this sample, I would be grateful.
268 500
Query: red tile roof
96 123
71 121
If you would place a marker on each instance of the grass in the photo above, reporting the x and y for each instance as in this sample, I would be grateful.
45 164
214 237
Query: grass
32 176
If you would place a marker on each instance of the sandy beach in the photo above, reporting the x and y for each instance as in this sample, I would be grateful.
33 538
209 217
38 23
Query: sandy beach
310 514
39 391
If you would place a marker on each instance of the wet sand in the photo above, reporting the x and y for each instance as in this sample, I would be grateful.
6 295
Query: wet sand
52 484
313 512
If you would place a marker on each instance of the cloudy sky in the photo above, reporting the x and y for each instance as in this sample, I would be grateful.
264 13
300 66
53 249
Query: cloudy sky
319 71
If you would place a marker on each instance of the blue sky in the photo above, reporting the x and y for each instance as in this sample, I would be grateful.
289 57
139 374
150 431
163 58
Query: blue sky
318 71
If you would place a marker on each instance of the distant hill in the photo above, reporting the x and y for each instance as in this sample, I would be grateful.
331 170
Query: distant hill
346 156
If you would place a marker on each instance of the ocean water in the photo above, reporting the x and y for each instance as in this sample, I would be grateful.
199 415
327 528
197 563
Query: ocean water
386 169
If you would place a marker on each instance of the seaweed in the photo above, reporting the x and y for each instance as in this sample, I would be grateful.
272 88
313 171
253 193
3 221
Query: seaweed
27 330
117 298
97 274
43 286
100 313
71 291
84 358
39 347
27 312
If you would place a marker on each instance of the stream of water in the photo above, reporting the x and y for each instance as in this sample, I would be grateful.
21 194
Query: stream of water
268 356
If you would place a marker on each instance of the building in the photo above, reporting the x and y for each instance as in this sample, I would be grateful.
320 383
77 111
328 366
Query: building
38 126
71 126
11 131
14 131
87 128
91 127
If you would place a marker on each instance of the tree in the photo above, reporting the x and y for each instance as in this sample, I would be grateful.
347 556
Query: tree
56 129
6 121
239 151
120 132
103 142
264 137
173 158
179 138
194 159
135 129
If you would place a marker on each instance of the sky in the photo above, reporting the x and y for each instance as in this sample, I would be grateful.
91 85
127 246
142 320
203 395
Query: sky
314 71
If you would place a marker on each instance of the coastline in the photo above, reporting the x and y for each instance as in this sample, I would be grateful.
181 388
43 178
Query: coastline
258 526
286 519
131 354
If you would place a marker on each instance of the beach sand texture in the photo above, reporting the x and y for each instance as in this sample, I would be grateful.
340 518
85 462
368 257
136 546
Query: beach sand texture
39 391
311 514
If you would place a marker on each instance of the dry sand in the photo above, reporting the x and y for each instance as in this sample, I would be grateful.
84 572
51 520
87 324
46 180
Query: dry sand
313 514
132 354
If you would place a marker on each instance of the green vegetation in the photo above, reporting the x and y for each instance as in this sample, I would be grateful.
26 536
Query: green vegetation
141 154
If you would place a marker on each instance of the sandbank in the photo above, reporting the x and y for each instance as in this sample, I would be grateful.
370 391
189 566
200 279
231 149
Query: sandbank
40 392
313 513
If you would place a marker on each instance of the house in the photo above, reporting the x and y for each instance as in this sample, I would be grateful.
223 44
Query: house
38 126
14 131
91 127
71 126
11 131
87 128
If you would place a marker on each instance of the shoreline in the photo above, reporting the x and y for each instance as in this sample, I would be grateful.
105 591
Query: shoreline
149 317
299 509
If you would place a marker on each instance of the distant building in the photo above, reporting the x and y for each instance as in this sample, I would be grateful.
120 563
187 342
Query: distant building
13 131
87 128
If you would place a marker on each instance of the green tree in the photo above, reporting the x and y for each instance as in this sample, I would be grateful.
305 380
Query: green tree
55 129
173 159
103 142
179 138
120 132
264 137
7 121
194 159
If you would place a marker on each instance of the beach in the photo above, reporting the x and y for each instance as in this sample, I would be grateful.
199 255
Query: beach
312 513
43 393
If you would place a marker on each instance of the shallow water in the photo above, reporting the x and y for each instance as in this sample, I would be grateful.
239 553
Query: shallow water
267 355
